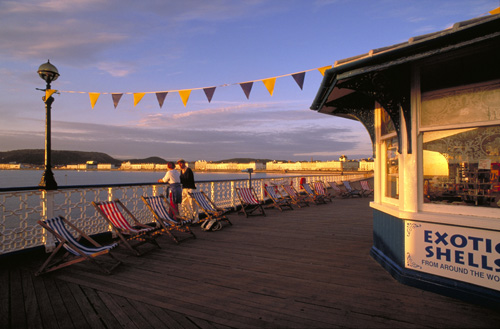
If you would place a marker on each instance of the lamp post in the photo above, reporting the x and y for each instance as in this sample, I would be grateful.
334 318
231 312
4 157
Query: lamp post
48 73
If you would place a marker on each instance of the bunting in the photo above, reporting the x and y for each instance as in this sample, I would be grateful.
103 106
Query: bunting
138 97
495 11
49 92
116 99
93 98
161 98
247 88
269 83
185 95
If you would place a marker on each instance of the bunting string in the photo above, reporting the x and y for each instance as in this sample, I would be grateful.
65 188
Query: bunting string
184 94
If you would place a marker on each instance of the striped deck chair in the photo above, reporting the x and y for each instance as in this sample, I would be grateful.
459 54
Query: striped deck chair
278 200
159 207
313 196
319 188
297 199
366 189
76 252
132 236
250 203
340 190
211 211
352 192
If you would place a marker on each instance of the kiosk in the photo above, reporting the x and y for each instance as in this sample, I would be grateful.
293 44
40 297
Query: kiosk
432 109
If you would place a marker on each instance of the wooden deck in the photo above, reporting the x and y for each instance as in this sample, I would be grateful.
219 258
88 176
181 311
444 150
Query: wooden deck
306 268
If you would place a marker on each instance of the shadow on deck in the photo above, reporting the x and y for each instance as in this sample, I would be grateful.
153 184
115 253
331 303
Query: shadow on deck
306 268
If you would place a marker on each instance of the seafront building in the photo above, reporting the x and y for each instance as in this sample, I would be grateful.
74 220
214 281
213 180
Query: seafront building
431 106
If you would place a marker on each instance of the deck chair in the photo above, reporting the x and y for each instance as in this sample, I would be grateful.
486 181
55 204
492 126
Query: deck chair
366 189
340 190
313 196
212 213
76 251
278 201
159 207
250 203
352 191
319 188
297 199
132 236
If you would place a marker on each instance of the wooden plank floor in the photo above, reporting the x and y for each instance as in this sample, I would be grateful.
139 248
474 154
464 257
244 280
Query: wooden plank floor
306 268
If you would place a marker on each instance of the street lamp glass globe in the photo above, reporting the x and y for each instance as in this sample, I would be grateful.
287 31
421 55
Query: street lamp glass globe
48 72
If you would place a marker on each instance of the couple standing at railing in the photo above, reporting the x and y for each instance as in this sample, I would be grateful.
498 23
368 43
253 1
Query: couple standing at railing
180 184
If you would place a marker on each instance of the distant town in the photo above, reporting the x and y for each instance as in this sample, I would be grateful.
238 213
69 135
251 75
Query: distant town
343 164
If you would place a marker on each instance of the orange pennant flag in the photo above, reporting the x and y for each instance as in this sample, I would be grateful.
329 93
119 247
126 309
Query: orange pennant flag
93 98
49 92
495 11
185 95
269 83
323 69
138 97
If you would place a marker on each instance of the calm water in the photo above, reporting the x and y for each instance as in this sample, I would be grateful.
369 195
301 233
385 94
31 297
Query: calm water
29 178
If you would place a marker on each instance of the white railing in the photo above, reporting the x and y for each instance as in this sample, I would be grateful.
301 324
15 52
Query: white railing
21 209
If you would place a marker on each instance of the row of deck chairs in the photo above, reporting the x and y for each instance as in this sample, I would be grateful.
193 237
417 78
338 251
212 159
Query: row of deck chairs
132 234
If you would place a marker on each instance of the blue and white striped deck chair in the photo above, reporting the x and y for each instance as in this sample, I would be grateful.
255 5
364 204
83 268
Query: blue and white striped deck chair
314 197
278 200
159 207
352 192
75 251
209 208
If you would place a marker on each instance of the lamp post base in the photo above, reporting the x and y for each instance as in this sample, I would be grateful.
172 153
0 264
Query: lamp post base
48 182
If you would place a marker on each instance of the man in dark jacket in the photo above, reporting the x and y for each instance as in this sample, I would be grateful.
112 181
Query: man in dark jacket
189 207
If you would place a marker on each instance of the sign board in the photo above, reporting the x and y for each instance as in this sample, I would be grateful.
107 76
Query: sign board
459 253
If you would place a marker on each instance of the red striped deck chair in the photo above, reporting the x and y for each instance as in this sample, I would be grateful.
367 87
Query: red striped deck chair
277 198
250 203
210 210
159 207
75 251
296 199
366 189
131 235
313 196
319 188
340 190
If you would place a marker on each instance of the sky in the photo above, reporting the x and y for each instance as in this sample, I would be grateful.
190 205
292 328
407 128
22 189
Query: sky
148 46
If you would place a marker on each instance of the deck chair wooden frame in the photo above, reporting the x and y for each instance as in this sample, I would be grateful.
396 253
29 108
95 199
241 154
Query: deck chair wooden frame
159 207
320 189
278 200
75 251
131 235
340 190
296 199
366 189
313 196
250 203
208 207
353 192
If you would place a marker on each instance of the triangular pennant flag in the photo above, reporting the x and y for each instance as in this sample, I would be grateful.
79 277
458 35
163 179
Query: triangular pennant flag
138 97
49 92
116 99
161 97
209 92
299 78
93 98
323 69
247 88
495 11
269 83
185 95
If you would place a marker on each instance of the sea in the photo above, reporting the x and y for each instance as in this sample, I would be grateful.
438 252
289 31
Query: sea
31 178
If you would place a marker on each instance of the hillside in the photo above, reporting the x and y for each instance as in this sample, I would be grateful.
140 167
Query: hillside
62 158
